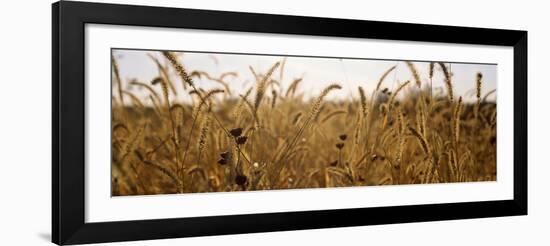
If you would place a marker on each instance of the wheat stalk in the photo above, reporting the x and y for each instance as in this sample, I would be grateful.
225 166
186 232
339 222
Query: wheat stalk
203 134
317 104
253 112
203 102
488 94
162 169
421 117
394 95
135 100
383 77
274 98
456 119
332 115
415 74
479 77
179 69
390 104
152 91
117 77
239 109
262 85
363 98
422 140
448 82
401 131
164 74
293 86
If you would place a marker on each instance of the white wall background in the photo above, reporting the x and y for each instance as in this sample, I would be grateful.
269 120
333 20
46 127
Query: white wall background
25 102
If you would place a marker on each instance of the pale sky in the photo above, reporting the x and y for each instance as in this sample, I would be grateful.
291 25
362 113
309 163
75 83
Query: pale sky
317 72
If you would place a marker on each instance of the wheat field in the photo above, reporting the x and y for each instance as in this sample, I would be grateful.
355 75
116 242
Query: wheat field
270 136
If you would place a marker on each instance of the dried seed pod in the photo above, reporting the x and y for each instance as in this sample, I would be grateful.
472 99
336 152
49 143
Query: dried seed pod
236 132
241 140
343 137
241 179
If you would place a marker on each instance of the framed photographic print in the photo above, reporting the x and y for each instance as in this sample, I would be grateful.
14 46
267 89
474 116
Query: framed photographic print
177 122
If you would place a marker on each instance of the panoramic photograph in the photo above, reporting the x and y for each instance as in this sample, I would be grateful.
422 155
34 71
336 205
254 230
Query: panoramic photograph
201 122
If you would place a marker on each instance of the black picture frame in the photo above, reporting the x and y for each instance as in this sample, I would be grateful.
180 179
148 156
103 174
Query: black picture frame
68 122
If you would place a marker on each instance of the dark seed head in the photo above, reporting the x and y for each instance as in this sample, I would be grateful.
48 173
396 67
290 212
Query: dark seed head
385 90
236 132
343 137
225 155
241 179
222 161
340 145
241 140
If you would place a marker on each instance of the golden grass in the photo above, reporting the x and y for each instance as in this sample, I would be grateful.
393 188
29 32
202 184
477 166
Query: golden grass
223 141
